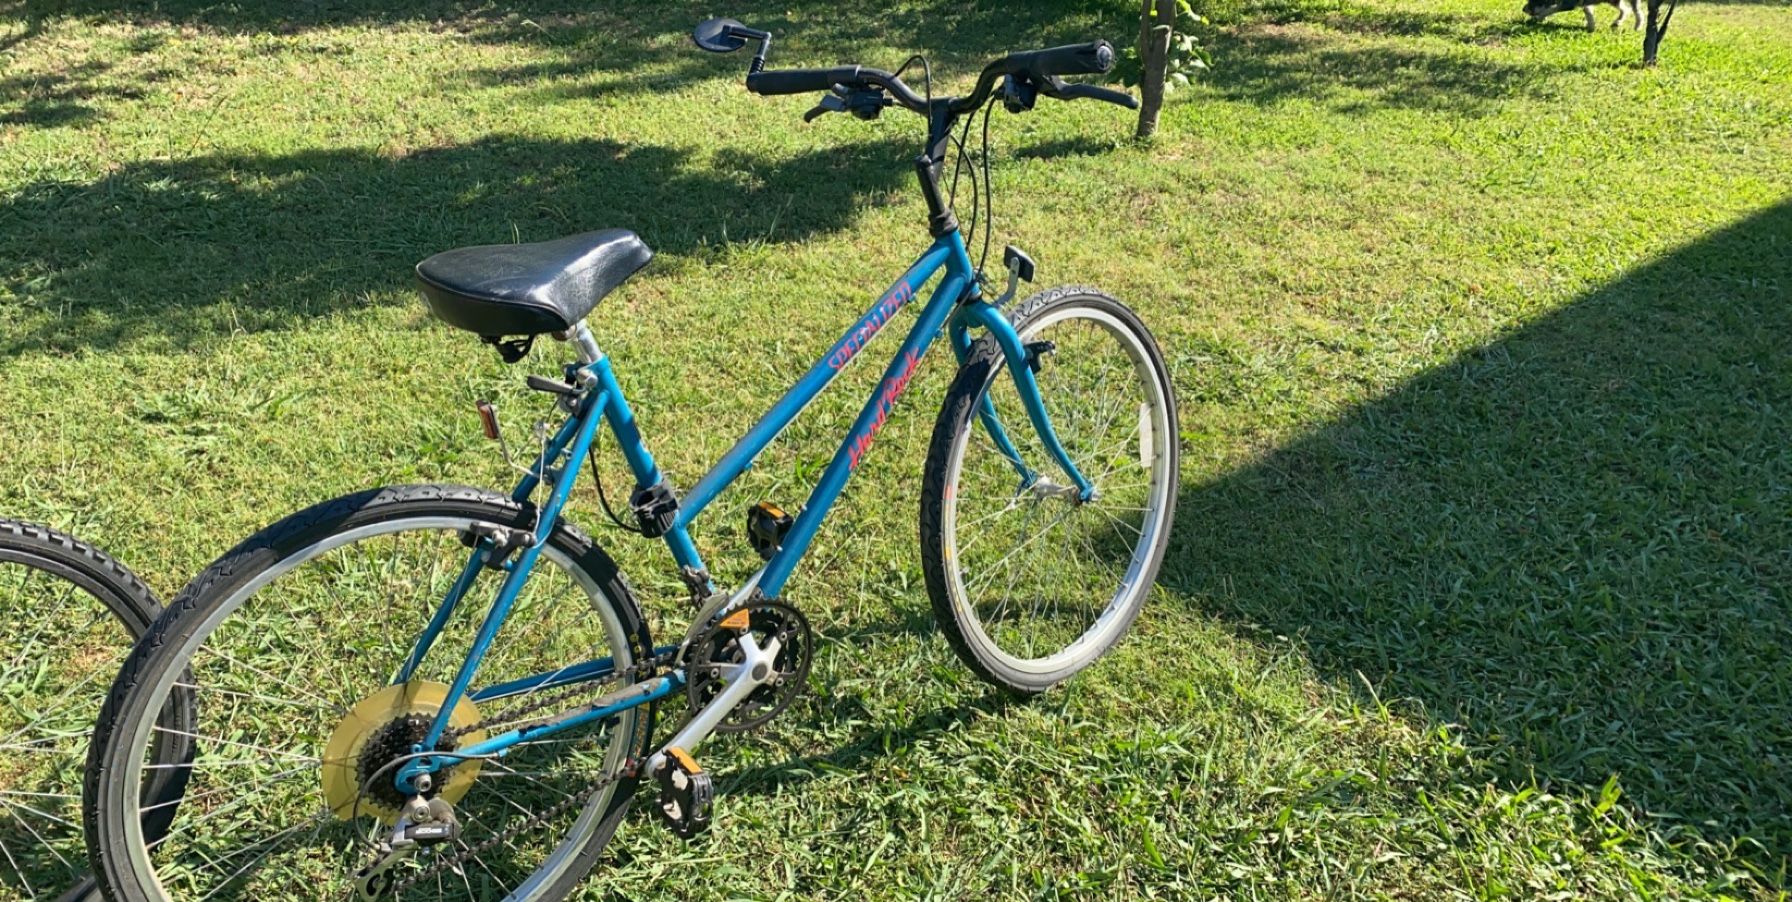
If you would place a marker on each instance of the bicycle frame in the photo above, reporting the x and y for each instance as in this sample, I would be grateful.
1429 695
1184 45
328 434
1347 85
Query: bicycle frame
955 306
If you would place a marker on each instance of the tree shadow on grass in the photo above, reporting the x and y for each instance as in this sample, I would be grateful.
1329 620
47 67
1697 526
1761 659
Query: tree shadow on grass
187 249
70 97
870 744
275 16
956 37
1275 63
575 49
1574 543
633 29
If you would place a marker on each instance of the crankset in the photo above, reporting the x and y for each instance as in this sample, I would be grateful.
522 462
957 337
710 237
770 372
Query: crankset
716 652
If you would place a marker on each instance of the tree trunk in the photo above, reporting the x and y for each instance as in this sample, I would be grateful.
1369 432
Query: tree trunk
1656 29
1156 20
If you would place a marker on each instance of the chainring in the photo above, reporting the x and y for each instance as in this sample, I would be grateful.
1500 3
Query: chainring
717 651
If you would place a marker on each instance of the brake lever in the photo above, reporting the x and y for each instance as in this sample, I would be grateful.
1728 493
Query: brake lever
1058 88
830 103
865 103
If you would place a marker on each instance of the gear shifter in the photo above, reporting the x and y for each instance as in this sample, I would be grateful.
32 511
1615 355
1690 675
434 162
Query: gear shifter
865 103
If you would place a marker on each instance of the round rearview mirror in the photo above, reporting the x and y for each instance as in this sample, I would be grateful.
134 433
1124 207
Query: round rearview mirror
717 36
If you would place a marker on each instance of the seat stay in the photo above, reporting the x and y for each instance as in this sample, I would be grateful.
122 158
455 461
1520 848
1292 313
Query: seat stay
587 420
476 560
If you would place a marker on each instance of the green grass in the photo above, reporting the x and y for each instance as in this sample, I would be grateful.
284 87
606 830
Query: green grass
1481 574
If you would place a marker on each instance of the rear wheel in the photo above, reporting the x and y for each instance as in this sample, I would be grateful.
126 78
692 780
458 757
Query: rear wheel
292 644
71 613
1029 582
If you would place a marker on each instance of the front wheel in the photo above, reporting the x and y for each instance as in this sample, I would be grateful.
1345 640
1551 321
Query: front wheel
1031 582
294 644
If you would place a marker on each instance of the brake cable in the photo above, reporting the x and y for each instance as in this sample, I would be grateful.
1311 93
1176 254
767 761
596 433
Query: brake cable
989 205
959 164
926 75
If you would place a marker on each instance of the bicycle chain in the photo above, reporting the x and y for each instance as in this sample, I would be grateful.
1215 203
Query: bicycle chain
645 668
630 765
468 852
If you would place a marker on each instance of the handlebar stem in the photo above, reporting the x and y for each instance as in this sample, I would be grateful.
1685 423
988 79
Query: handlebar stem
940 218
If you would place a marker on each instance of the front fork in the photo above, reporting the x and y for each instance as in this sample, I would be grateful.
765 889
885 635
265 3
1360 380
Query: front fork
978 312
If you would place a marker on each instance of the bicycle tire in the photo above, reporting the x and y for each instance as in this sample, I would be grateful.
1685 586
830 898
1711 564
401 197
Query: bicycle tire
115 594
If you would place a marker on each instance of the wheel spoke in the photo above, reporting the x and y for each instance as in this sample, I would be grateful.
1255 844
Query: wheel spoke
7 851
273 842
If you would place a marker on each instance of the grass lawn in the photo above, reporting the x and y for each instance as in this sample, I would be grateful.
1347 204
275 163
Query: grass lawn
1481 584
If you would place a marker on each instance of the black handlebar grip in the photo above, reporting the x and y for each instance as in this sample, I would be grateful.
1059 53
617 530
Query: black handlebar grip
1072 59
800 81
1097 92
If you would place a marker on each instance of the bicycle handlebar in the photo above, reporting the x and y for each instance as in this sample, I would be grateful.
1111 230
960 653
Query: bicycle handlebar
803 81
1093 58
866 92
1041 66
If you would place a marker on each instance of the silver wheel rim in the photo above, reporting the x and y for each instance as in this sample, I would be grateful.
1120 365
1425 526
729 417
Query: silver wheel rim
1147 550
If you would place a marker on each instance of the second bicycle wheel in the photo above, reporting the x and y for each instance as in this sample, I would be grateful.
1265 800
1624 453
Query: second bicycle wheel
292 644
1030 583
71 615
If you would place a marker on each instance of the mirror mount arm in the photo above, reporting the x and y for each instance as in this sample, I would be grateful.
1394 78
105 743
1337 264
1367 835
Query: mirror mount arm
758 64
753 34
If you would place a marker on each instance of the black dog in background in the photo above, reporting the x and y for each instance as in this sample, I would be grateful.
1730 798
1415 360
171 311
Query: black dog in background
1539 10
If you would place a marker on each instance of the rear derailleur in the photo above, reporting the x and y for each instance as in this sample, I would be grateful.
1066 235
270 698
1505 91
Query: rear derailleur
425 822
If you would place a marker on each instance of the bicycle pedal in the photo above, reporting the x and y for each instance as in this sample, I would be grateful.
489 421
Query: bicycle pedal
685 794
767 525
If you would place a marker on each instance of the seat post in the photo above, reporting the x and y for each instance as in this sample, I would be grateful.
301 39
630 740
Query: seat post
579 336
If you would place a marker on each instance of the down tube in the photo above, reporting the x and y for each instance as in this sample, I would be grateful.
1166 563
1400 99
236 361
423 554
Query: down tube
871 418
741 456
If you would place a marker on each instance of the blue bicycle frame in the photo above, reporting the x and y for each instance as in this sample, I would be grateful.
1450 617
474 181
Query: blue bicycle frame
956 306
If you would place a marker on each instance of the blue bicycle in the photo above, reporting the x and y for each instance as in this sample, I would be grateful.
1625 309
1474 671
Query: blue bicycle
362 728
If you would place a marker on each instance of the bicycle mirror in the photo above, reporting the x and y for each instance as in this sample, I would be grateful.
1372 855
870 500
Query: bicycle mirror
719 35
